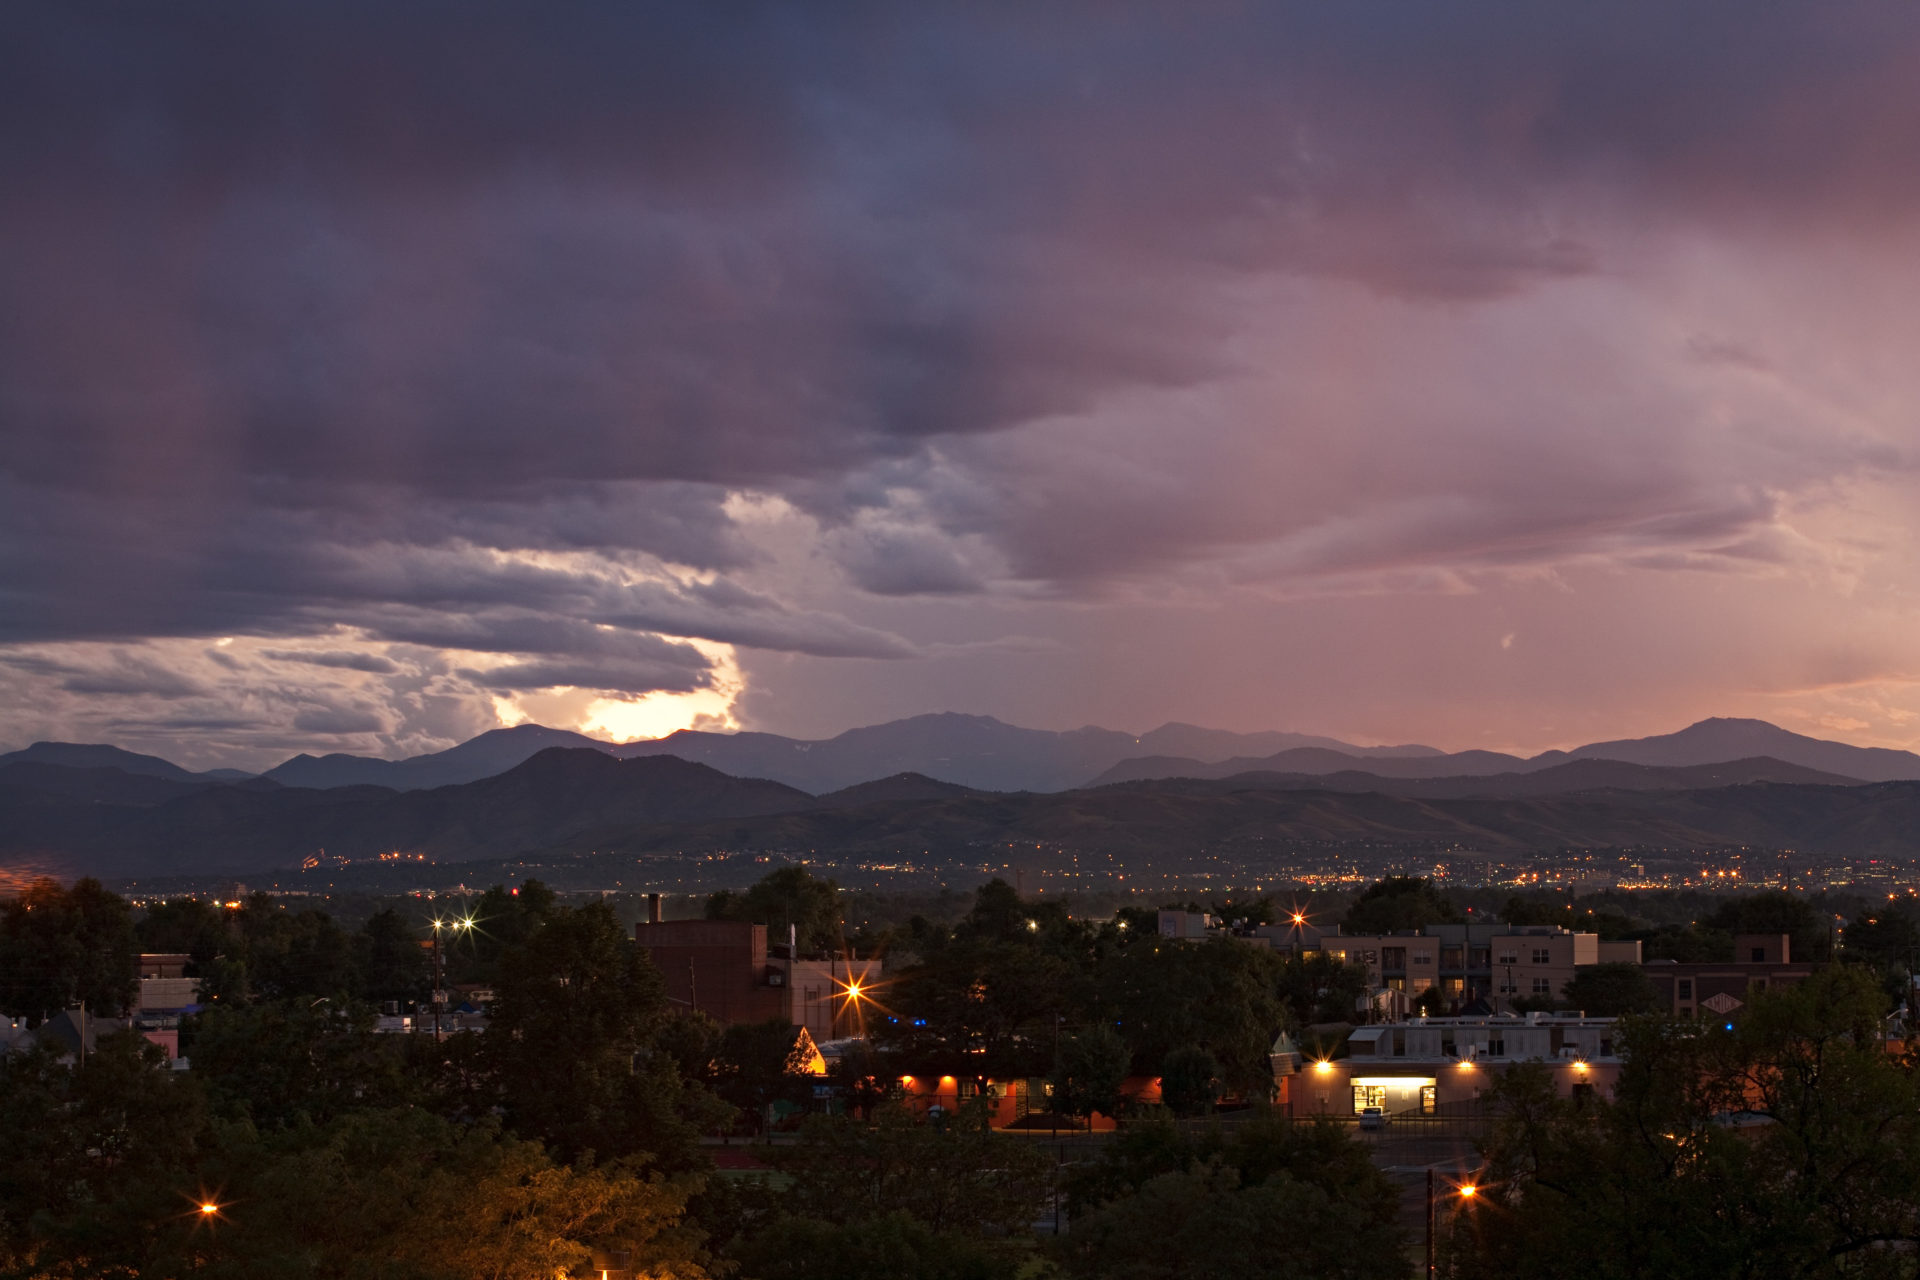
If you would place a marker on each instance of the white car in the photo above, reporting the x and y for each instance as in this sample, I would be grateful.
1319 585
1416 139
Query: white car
1373 1117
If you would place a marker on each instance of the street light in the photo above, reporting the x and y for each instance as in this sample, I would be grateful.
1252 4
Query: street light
1465 1190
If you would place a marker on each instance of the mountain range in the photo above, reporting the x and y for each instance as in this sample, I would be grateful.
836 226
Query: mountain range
989 755
579 803
101 810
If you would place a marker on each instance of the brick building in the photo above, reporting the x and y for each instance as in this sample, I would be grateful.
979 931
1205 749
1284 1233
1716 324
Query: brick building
1759 961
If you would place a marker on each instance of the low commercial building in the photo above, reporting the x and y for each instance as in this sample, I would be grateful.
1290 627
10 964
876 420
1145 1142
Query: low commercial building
1442 1066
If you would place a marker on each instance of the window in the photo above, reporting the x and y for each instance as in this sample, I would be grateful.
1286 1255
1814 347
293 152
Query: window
1423 957
1542 956
1686 988
1368 1095
1429 1099
1581 1093
1542 987
1509 957
1759 955
1393 957
1496 1047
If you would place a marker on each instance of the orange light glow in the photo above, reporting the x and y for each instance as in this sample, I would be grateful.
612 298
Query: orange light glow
1323 1067
1298 918
1468 1191
853 990
1581 1067
209 1209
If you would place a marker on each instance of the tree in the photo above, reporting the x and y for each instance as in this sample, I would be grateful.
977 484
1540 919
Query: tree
1202 1224
1612 990
1886 940
570 1043
956 1178
1273 1198
277 1064
757 1064
97 1156
504 919
888 1247
975 1009
406 1194
790 896
61 948
1089 1072
1189 1080
1780 1147
1219 995
1398 903
391 962
187 926
1773 911
1318 988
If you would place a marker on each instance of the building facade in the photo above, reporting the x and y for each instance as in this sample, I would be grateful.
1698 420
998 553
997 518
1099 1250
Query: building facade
1760 961
1442 1066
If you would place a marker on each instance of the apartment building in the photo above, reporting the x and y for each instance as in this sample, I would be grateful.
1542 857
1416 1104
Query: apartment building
1494 963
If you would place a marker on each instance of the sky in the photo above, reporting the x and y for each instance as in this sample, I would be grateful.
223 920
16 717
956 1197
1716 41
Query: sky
1479 375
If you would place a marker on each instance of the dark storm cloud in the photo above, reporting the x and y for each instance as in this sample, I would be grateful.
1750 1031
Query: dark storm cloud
338 659
457 325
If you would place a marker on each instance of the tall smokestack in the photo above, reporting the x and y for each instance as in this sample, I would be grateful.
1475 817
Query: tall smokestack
653 908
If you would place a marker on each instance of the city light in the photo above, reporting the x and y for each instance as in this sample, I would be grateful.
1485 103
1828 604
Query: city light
1323 1067
1468 1191
208 1209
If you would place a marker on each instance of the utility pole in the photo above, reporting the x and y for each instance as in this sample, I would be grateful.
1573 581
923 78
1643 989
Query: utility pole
1429 1223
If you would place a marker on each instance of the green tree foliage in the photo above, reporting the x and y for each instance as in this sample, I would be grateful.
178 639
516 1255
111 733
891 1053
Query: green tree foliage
184 926
1605 921
570 1044
890 1247
757 1064
91 1176
957 1177
977 1008
1317 988
391 963
1219 995
1774 911
504 919
1783 1147
791 895
294 954
1189 1080
1688 944
1244 911
61 948
277 1064
1396 903
1088 1073
1886 941
407 1195
1274 1198
1612 990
